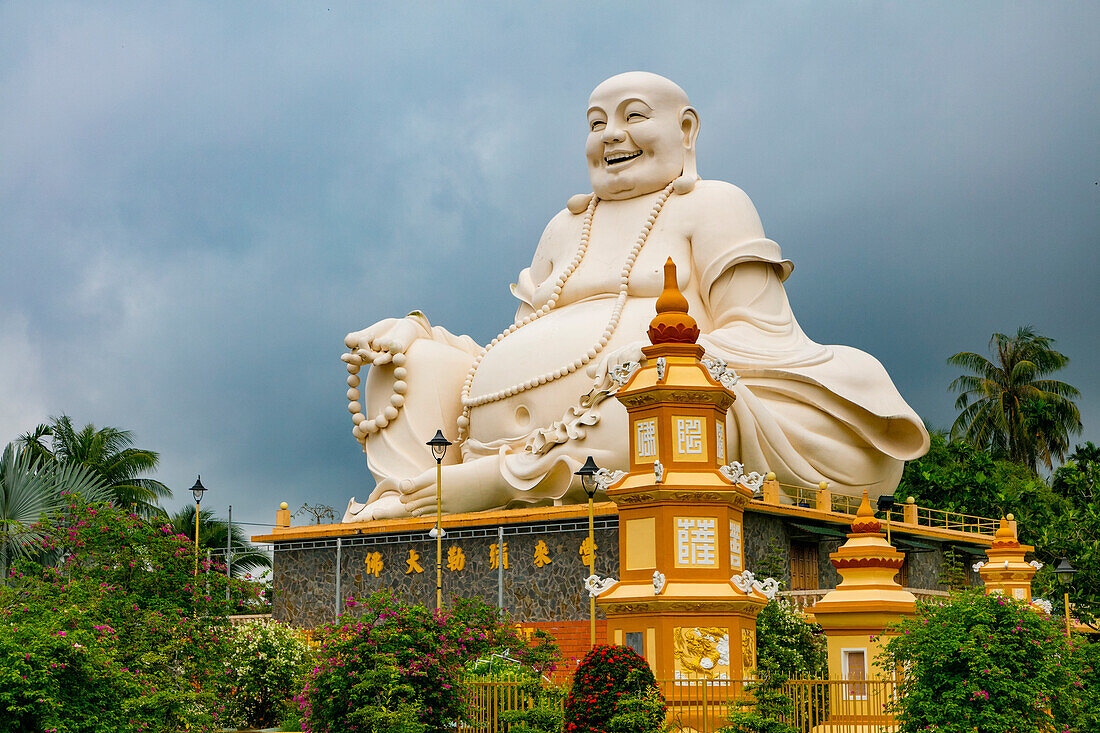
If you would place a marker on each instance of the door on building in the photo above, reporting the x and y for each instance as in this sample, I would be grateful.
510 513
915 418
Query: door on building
804 566
903 574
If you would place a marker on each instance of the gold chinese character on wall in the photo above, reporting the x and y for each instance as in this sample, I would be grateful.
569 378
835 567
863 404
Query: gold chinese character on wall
494 556
374 563
696 544
587 550
542 555
414 566
456 558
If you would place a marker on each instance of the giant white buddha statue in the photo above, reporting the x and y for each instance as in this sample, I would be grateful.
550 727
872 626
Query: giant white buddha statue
526 409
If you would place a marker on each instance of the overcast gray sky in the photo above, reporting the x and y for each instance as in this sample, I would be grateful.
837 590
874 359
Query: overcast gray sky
198 200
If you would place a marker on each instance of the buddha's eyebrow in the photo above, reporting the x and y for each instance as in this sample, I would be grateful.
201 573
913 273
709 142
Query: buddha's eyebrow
630 100
596 109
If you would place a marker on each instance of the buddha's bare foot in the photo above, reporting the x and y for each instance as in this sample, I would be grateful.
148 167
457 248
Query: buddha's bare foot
467 487
387 506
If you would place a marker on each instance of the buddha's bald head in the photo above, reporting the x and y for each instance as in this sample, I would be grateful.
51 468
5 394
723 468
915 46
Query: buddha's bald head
642 131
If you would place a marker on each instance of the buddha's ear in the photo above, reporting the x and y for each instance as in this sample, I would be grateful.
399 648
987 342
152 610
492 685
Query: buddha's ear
689 125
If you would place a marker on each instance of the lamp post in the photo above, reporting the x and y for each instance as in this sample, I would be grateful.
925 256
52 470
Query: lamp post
587 473
1065 573
886 505
439 446
197 491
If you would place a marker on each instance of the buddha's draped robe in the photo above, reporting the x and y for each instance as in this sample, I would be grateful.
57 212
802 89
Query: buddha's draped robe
808 412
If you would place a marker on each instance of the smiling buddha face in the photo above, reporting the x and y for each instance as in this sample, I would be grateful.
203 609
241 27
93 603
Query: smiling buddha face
641 135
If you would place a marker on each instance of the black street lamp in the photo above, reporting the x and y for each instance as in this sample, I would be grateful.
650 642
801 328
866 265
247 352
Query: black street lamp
587 473
197 491
1065 572
439 445
886 505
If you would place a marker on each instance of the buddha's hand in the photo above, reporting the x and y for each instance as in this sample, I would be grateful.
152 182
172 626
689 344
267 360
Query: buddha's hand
631 352
379 343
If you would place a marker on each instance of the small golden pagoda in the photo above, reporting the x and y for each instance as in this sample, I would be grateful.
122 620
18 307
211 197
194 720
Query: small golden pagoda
854 616
1006 572
683 599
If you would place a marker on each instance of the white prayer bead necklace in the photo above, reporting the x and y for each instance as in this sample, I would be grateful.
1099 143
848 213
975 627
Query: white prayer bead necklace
363 426
624 280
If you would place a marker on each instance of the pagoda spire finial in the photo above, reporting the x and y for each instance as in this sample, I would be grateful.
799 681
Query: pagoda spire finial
865 518
672 323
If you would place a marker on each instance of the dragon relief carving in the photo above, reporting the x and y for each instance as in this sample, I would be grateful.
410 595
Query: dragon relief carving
720 371
735 472
702 652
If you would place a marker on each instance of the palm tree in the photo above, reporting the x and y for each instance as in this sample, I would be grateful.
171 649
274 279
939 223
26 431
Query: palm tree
1009 407
212 535
30 491
109 453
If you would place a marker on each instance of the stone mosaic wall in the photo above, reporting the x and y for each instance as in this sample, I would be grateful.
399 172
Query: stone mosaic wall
924 569
826 573
766 540
304 585
542 580
550 589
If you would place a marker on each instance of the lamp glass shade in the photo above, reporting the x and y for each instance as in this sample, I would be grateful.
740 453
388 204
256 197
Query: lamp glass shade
587 472
198 490
439 445
1064 571
885 502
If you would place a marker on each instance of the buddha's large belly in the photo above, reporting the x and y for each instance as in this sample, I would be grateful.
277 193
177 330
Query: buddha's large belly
540 348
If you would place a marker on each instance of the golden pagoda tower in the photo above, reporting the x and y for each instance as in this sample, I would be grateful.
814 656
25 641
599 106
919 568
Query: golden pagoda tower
684 599
854 616
1006 572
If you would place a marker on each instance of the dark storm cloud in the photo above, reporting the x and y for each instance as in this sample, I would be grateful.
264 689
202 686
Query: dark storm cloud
198 202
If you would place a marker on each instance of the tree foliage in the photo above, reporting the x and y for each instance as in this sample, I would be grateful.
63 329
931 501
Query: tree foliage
1070 532
213 534
605 677
108 453
266 660
120 636
31 491
787 647
1060 518
984 663
1008 404
390 666
956 476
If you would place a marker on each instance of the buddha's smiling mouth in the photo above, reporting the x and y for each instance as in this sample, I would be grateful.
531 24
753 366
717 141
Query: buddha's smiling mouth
620 158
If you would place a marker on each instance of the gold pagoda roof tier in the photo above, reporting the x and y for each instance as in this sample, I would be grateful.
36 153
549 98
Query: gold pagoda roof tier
679 597
867 564
700 486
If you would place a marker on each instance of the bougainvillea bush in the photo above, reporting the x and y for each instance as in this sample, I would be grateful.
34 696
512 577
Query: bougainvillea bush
391 666
986 663
266 660
117 634
607 684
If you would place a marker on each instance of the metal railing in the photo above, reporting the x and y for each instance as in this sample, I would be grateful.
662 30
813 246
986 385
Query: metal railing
704 706
953 520
812 497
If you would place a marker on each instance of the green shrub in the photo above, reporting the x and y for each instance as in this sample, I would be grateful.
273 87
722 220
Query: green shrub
793 648
391 666
266 660
544 715
641 711
119 636
606 675
984 663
